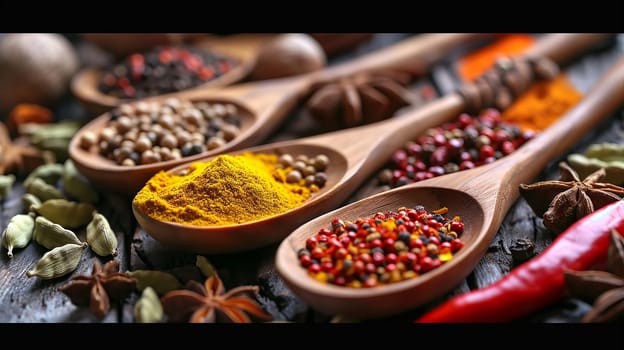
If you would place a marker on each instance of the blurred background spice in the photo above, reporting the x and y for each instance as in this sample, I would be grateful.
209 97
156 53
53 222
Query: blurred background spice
163 70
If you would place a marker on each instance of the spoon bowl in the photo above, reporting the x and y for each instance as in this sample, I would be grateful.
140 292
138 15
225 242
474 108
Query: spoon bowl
250 235
480 196
242 48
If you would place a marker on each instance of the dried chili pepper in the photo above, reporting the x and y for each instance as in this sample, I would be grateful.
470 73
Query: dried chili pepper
540 281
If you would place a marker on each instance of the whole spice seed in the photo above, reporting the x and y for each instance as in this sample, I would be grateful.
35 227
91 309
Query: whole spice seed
101 238
6 185
51 235
163 70
97 290
465 143
18 232
76 185
578 248
58 261
66 213
150 132
42 190
209 302
564 201
29 199
148 308
384 248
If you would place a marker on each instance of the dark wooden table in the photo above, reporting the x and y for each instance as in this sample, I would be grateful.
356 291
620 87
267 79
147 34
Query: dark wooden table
25 299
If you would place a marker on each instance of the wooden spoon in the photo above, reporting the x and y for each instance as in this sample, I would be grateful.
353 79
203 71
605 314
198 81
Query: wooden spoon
480 196
263 104
354 155
242 47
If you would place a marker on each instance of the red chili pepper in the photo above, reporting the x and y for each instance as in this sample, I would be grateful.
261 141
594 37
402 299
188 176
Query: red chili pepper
538 282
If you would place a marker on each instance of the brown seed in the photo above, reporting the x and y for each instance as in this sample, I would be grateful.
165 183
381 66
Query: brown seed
293 176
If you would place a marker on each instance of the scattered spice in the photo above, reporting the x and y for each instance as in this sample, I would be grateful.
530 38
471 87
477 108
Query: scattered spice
385 248
163 70
104 284
227 190
210 303
562 202
476 63
605 289
465 143
540 281
543 104
150 132
522 249
364 98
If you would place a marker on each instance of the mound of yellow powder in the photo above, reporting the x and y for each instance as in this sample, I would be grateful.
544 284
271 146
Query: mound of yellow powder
227 190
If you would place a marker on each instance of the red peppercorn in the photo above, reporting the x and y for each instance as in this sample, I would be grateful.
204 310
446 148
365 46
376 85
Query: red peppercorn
457 226
486 151
427 264
341 253
314 268
327 266
305 260
371 268
465 119
434 240
376 243
507 147
466 164
391 258
390 267
416 243
378 258
317 253
456 244
311 243
340 281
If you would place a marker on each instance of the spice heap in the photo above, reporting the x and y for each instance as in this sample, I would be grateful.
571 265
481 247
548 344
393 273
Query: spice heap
476 63
543 104
150 132
163 70
463 144
385 248
228 190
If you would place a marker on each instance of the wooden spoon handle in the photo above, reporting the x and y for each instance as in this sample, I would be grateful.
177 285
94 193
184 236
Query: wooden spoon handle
562 47
414 55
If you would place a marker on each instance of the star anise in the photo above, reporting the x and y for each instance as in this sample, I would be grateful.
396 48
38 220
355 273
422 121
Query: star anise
605 289
209 302
562 202
18 155
104 284
360 99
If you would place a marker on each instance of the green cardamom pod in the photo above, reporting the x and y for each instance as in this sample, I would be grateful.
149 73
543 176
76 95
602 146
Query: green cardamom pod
56 131
50 173
6 185
101 237
42 190
76 185
606 151
583 165
206 268
18 232
148 308
51 235
162 282
58 261
29 199
66 213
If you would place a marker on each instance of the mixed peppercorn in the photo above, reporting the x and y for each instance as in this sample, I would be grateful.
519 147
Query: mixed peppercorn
463 144
150 132
163 70
384 248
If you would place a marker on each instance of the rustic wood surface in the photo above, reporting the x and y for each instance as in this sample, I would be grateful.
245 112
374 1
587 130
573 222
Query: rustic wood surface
26 299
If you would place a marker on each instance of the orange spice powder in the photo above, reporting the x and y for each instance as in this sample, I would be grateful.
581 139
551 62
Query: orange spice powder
543 104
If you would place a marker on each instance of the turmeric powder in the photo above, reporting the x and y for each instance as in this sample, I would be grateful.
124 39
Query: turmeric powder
228 190
542 104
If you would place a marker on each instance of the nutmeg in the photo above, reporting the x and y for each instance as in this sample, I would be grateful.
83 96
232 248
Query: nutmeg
288 55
